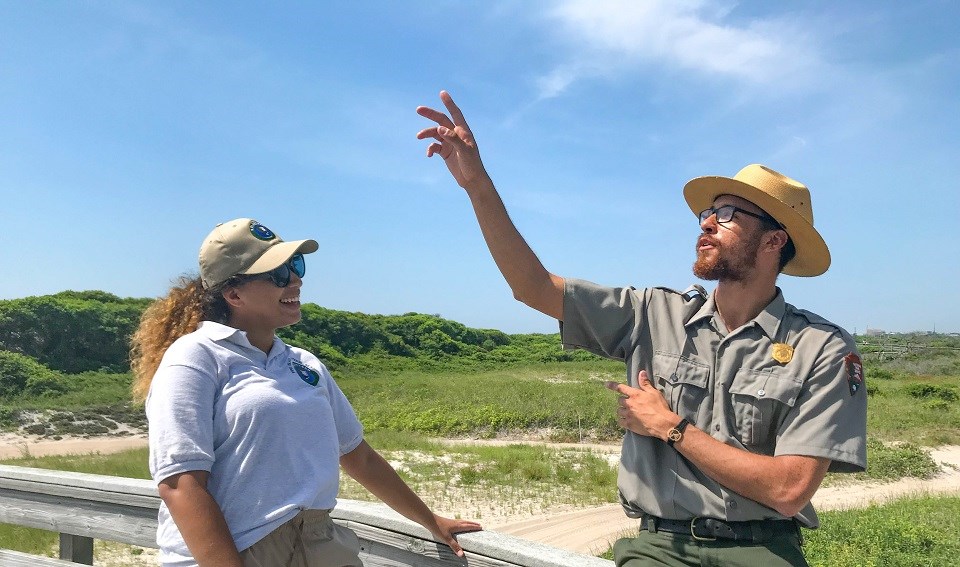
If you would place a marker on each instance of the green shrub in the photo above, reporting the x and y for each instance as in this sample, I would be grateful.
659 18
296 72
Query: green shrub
904 533
10 417
892 462
879 374
926 391
18 372
46 385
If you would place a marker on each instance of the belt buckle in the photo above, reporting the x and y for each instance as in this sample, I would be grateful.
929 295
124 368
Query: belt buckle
693 531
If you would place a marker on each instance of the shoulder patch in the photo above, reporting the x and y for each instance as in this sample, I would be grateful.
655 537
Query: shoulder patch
854 372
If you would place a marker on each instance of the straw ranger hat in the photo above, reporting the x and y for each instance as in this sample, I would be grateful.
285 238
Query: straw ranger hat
785 199
244 246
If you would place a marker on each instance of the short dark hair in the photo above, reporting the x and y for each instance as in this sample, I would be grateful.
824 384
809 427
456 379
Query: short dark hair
787 252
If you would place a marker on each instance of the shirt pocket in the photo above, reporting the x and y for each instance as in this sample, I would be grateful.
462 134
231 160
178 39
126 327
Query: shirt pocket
682 381
761 400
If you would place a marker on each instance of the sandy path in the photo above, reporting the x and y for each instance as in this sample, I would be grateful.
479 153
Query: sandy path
14 446
587 531
594 529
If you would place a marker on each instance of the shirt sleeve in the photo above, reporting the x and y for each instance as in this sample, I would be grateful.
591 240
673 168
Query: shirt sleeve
603 320
349 428
180 415
830 417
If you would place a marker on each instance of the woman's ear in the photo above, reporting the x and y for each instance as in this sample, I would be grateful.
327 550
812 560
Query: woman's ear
231 295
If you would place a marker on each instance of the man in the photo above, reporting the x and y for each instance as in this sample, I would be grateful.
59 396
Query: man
738 403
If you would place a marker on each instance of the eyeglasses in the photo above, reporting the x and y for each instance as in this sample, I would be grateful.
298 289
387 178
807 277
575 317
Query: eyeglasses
280 276
726 212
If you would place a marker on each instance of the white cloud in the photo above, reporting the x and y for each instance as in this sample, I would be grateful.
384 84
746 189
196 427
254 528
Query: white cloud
686 35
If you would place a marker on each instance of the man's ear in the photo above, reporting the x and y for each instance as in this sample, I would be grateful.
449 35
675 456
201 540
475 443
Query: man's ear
775 240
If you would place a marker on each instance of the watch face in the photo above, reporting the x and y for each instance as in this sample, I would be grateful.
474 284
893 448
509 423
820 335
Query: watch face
674 435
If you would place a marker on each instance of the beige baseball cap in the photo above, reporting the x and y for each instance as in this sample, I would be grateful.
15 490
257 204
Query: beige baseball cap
244 246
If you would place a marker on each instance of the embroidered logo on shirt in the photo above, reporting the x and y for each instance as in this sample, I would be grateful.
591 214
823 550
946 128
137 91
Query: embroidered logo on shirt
782 352
854 372
307 374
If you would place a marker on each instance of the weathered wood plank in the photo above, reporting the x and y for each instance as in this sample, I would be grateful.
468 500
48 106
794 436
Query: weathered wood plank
76 548
101 488
10 558
377 522
133 525
125 510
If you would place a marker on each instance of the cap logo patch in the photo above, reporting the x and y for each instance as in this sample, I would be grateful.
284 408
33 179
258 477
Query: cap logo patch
261 232
854 372
307 374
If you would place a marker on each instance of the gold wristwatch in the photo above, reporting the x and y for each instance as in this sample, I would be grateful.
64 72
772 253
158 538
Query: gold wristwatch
676 434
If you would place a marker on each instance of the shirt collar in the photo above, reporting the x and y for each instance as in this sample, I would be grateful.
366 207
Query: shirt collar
220 332
768 319
706 310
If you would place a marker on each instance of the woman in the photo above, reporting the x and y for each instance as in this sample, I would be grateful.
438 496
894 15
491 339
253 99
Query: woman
246 432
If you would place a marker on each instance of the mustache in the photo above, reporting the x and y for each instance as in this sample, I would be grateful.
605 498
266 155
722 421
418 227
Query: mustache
707 239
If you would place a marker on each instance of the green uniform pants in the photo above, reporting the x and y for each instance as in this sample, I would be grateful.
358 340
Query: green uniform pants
680 550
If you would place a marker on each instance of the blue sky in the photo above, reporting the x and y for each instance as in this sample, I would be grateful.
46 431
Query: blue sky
128 129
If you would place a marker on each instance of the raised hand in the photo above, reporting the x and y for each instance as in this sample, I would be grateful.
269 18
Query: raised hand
454 142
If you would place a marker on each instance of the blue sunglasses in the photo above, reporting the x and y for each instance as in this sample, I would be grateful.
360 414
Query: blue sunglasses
280 276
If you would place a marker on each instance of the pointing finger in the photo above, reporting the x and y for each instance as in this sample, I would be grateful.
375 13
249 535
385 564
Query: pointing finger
620 388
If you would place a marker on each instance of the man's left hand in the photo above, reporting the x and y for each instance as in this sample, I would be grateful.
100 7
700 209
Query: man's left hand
643 410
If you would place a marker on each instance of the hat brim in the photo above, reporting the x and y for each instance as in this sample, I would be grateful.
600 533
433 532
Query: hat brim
279 254
813 256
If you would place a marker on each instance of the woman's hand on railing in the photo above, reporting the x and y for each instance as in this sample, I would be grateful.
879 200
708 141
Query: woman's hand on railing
447 528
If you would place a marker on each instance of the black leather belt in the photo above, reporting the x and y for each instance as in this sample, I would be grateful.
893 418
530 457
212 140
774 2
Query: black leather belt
709 529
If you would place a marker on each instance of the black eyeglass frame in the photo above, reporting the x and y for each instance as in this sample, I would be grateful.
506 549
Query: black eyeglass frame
723 217
280 276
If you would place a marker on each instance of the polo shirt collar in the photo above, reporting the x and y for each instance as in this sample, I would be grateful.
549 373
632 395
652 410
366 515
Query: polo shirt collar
768 319
220 332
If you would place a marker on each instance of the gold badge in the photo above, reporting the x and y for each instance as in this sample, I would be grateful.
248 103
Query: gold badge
782 352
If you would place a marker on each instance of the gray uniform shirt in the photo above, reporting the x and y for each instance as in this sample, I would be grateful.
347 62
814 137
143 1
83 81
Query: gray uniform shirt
728 385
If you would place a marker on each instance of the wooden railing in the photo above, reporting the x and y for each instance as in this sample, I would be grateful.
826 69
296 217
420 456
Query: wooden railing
83 507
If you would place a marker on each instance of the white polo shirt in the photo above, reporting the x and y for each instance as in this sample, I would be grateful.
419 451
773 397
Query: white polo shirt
269 428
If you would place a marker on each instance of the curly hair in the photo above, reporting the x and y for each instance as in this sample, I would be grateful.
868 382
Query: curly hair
166 320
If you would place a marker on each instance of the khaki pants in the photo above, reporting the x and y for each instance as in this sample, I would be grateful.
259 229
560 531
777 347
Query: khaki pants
678 550
310 539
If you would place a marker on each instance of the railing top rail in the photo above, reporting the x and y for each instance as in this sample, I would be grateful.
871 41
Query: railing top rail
65 501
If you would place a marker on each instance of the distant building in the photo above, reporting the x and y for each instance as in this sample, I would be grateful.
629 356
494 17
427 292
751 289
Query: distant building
874 332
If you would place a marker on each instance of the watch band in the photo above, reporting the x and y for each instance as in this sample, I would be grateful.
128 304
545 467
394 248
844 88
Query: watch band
676 434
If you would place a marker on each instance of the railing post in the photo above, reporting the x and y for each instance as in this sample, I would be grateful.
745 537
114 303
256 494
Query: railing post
76 548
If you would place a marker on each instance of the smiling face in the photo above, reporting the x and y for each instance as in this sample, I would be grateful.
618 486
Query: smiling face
259 307
729 251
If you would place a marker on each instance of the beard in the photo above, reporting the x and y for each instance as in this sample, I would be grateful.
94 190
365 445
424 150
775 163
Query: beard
732 263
